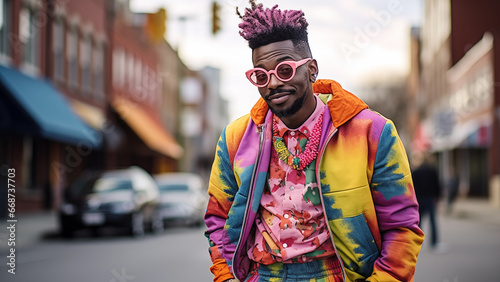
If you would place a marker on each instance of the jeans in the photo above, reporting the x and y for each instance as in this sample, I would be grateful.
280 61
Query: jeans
427 205
315 271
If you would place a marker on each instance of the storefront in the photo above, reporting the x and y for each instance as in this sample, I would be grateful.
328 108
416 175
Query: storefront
144 140
462 127
42 139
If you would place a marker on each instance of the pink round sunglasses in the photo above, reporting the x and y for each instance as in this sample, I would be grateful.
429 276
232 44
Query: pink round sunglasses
284 71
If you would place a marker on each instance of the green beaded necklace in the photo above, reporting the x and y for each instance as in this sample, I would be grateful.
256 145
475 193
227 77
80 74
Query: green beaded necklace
299 161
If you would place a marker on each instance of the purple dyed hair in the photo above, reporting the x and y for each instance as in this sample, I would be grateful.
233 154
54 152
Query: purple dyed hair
262 26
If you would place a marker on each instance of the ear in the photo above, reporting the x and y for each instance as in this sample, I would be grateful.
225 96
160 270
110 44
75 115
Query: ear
313 70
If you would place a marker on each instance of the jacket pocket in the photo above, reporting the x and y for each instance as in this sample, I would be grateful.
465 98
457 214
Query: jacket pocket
355 244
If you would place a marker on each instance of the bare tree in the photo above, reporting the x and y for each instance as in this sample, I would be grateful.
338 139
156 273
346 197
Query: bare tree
386 94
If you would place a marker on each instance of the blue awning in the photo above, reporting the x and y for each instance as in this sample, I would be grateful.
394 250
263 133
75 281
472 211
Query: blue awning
42 110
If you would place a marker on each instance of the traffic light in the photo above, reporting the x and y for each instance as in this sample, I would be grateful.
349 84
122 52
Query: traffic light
215 17
156 25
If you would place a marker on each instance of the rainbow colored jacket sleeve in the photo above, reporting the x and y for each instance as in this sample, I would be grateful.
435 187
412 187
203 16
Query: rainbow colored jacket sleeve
366 189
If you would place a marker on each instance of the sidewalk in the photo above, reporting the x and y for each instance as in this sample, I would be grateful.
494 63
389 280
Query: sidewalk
468 245
30 229
479 210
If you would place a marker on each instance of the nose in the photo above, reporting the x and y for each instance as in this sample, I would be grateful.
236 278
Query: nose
274 82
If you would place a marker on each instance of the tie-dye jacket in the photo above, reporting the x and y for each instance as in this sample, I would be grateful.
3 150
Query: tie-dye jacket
366 187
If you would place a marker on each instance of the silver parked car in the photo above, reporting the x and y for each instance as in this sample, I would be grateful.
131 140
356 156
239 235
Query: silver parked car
183 198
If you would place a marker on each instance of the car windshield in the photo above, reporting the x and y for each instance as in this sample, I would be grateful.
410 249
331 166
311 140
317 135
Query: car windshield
104 184
173 187
110 184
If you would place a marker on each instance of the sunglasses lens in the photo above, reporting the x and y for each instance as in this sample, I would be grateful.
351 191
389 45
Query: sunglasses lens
285 71
259 77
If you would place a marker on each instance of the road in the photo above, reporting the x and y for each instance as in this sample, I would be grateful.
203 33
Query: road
472 253
179 254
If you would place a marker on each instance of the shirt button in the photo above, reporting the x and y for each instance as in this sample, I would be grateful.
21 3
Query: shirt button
292 133
305 131
292 188
285 245
286 215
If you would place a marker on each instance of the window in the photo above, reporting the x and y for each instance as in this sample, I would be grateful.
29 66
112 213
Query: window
99 71
58 49
72 51
115 71
119 68
85 62
29 38
4 28
139 93
130 72
152 85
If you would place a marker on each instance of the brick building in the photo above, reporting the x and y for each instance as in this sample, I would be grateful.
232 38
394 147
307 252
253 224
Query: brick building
45 73
138 94
81 87
458 95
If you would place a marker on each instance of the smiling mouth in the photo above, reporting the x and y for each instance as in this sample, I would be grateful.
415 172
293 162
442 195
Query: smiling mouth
279 100
280 97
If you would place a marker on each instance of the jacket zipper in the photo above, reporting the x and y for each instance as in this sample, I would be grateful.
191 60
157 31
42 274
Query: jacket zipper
261 141
318 161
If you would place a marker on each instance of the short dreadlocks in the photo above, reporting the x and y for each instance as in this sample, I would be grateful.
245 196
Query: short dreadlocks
262 26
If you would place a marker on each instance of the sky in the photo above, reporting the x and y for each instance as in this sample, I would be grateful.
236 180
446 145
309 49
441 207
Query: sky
354 41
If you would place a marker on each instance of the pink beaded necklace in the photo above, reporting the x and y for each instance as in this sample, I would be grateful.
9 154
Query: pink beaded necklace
300 161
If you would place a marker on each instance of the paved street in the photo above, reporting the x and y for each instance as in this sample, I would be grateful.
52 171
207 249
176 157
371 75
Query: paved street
470 236
470 241
180 254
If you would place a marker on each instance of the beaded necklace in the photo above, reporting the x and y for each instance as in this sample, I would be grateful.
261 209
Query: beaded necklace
300 161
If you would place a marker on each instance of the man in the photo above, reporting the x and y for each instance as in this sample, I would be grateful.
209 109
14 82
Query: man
428 190
311 185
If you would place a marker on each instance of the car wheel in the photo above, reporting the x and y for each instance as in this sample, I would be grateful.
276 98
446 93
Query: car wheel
157 225
137 225
67 232
94 232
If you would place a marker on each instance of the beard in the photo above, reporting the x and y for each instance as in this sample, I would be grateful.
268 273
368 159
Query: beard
293 109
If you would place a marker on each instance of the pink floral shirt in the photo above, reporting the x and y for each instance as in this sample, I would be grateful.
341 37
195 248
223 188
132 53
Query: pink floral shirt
291 226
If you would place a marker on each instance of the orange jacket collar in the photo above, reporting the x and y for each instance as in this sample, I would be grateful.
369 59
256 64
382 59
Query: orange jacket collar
343 104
